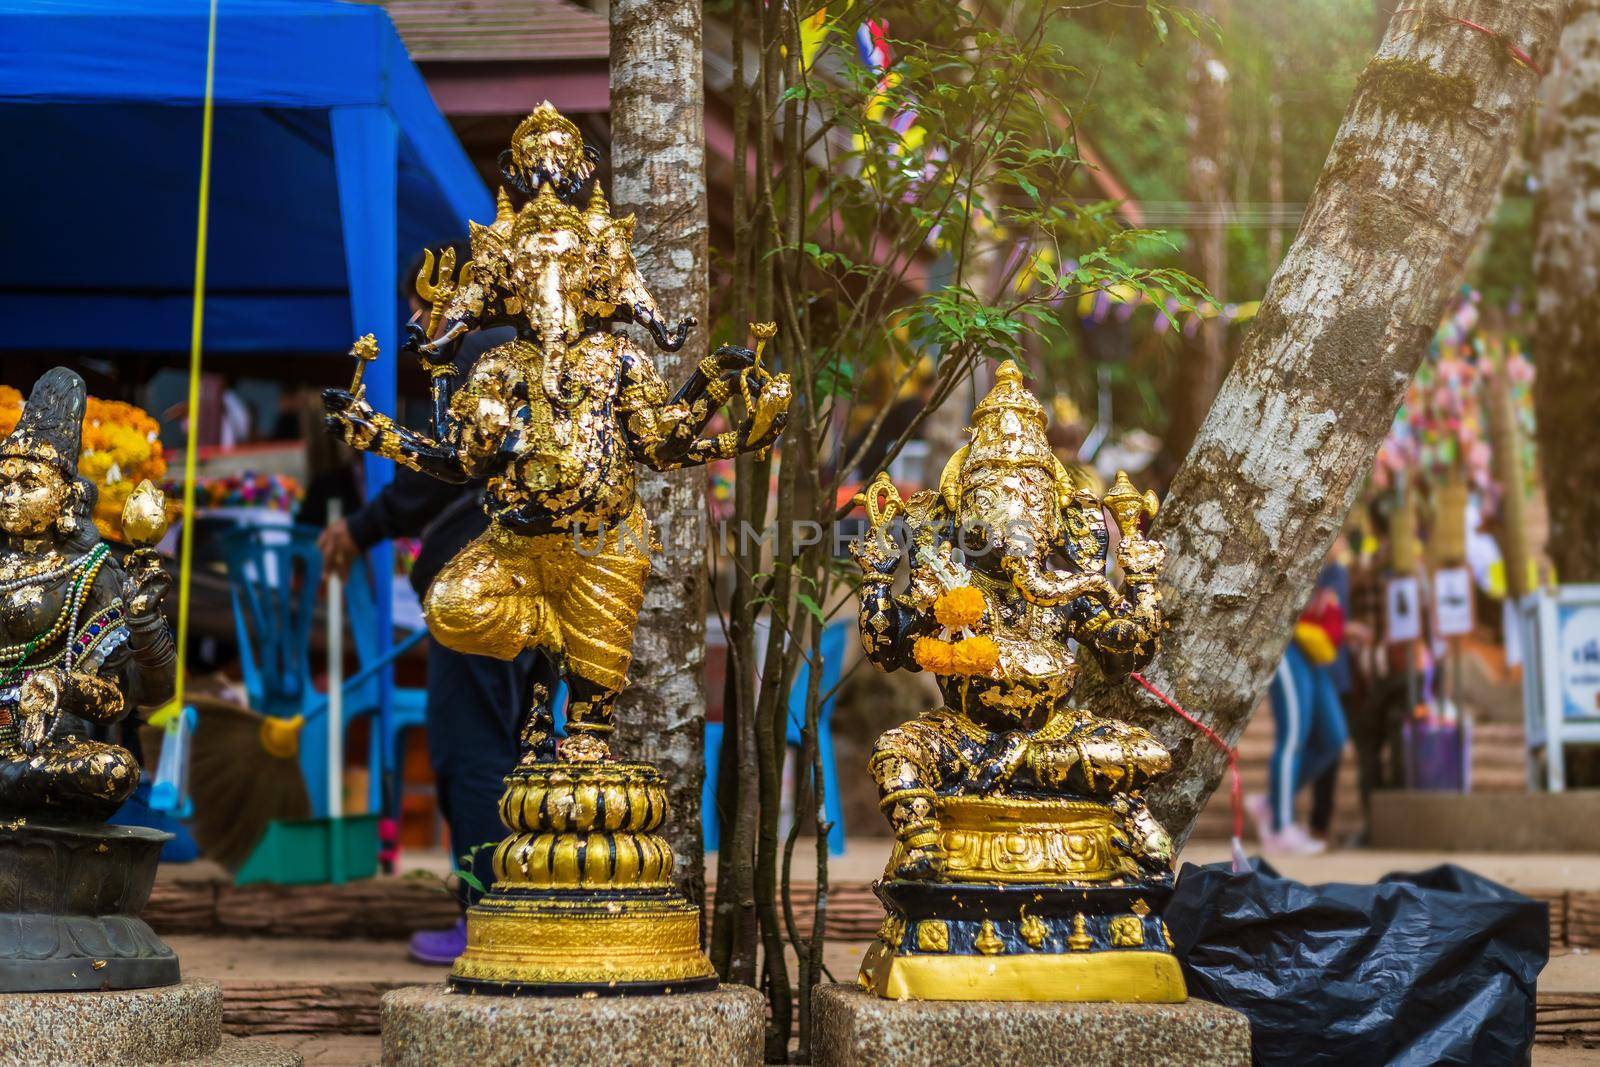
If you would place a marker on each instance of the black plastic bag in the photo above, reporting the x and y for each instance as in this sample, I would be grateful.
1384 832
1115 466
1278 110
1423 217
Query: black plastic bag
1420 969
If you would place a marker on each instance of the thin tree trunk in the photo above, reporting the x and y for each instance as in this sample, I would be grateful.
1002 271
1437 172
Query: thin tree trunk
1566 259
658 173
734 933
1275 171
1202 362
1506 440
1346 319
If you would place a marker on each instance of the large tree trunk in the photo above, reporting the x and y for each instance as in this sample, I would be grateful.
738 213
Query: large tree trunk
658 173
1201 362
1566 260
1346 319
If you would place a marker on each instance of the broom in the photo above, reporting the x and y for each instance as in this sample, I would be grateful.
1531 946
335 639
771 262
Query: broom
244 772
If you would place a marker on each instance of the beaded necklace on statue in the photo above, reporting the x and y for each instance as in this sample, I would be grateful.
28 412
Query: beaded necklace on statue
15 657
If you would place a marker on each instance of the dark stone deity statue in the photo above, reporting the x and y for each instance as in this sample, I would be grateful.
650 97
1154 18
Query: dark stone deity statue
82 645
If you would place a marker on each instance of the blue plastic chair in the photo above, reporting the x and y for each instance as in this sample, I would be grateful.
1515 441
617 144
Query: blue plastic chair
833 638
408 707
273 578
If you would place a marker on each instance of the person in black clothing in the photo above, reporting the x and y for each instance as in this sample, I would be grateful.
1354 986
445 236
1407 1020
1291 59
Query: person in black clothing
330 470
476 705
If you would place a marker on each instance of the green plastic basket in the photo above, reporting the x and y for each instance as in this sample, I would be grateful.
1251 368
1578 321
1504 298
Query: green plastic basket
313 852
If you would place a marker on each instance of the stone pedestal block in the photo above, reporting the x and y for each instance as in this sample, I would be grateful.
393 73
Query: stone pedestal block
425 1025
853 1028
179 1024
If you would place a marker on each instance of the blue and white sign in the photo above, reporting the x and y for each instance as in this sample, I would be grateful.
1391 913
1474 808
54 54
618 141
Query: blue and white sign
1560 639
1579 654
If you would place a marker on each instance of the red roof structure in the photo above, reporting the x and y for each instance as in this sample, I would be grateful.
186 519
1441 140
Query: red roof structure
502 57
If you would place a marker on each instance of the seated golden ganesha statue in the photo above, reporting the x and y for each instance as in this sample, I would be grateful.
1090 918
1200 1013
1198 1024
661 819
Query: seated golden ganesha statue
1026 864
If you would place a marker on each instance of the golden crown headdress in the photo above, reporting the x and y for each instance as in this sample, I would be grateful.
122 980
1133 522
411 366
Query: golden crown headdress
50 428
495 237
545 213
547 150
1007 431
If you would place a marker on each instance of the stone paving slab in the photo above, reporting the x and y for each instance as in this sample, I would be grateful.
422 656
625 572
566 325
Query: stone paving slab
234 1052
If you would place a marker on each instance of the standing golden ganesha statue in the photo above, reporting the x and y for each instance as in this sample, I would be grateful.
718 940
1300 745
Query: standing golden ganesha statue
553 421
1026 865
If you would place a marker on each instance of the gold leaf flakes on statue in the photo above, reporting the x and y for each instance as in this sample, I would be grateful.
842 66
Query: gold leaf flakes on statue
1126 931
933 935
553 422
1008 785
144 515
1080 941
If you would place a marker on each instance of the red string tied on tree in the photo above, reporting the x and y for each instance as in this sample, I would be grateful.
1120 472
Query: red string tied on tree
1235 784
1517 52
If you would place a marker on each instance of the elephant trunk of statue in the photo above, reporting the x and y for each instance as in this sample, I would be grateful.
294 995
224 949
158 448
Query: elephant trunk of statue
669 339
1039 584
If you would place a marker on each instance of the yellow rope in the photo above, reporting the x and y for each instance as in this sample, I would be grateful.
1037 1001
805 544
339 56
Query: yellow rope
186 551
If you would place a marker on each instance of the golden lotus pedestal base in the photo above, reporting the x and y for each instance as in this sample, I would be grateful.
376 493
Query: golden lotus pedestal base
944 941
534 943
583 901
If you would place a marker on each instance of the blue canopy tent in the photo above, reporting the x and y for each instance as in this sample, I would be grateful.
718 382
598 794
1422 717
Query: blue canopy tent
329 158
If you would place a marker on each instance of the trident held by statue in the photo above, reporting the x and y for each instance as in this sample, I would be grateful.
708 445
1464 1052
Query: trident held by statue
437 291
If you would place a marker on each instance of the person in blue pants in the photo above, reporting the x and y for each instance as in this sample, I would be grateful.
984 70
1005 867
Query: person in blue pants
1309 722
1311 735
477 706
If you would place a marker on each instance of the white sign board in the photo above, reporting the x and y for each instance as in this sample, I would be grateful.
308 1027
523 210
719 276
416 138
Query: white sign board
1403 618
1452 601
1579 656
1561 676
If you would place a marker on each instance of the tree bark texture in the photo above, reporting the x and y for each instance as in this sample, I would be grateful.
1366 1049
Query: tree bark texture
1567 267
1202 361
1277 463
658 173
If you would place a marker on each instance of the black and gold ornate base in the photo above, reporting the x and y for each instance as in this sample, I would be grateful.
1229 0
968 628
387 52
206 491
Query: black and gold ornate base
1039 899
1038 942
583 901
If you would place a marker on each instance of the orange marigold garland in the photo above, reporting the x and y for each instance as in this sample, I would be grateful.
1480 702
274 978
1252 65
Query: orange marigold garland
121 448
933 655
959 609
975 655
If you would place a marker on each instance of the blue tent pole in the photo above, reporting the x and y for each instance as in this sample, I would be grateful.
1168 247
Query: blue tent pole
366 153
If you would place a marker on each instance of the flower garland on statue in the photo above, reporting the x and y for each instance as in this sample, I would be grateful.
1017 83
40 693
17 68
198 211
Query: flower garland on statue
960 647
121 448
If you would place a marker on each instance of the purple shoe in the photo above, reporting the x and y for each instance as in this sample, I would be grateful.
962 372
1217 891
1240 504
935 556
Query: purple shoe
439 948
